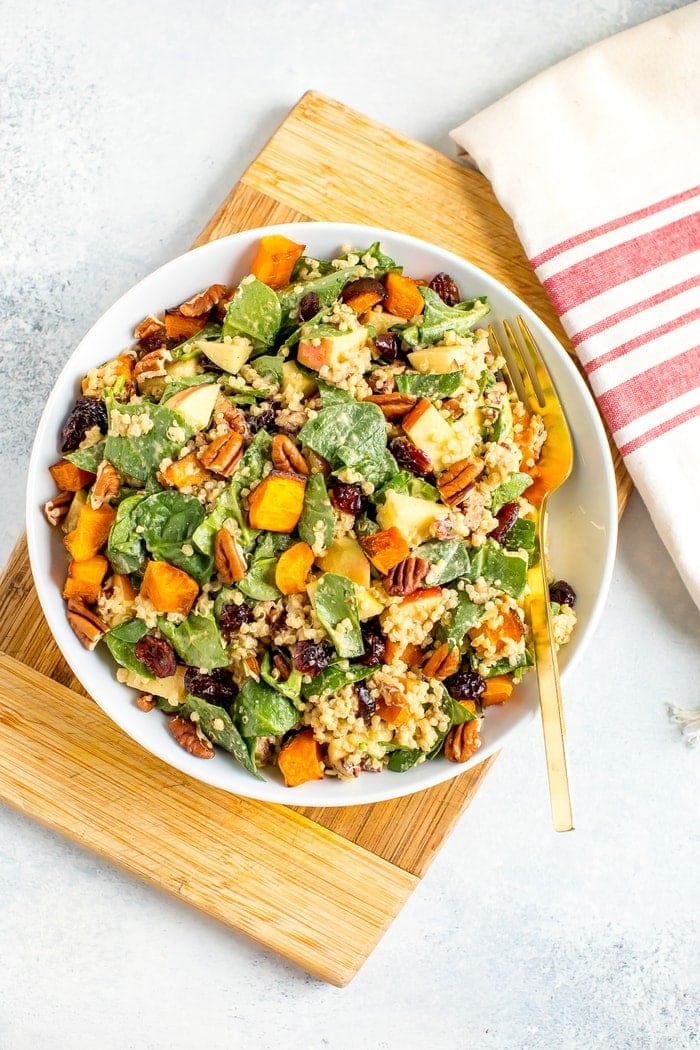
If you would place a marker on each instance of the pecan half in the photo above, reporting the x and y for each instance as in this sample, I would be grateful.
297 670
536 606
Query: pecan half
150 333
88 627
407 576
442 662
287 457
228 559
185 732
453 408
462 741
56 509
226 412
455 482
393 406
151 366
223 454
106 486
202 302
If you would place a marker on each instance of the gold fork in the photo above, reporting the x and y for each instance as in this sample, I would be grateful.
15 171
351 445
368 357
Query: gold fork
536 390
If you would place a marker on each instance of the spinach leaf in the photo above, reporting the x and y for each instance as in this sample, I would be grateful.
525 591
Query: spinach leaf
260 710
332 395
333 598
269 367
290 687
259 580
88 458
521 535
126 551
504 569
504 666
364 526
327 287
174 386
385 263
438 318
457 712
333 678
509 491
167 522
139 457
403 758
449 559
121 641
254 311
188 349
465 614
433 386
350 434
216 724
196 641
317 508
403 481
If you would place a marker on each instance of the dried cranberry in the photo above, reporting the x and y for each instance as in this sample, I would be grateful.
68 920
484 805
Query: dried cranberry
388 345
365 287
312 657
410 457
218 686
346 498
465 685
309 306
444 286
87 412
156 654
507 517
562 593
374 643
262 421
232 617
366 704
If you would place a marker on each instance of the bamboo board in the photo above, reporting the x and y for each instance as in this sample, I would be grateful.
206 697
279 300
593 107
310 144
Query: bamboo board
319 886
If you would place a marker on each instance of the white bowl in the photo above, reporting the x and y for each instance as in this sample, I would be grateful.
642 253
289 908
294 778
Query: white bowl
583 515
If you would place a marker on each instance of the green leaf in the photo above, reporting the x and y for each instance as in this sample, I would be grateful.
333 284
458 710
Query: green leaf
88 458
121 641
188 349
438 318
333 599
449 559
317 508
466 614
216 724
458 712
334 677
510 490
350 434
259 580
403 758
403 481
521 535
260 710
332 395
126 550
167 522
269 367
432 386
504 666
254 311
174 386
505 570
290 687
327 287
139 457
196 641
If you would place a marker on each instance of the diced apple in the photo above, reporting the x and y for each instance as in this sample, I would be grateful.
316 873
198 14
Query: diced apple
182 369
195 404
424 603
346 558
382 321
368 606
171 688
443 359
326 348
412 516
430 432
296 381
230 355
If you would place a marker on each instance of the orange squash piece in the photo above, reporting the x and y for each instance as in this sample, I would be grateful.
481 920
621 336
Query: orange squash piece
300 759
292 569
85 578
168 588
498 689
385 549
403 296
185 472
70 478
91 531
276 504
393 713
178 327
275 259
123 588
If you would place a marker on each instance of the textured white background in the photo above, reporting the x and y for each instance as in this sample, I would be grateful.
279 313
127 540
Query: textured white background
123 126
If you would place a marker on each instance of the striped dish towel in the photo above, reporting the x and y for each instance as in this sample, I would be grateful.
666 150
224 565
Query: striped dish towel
597 161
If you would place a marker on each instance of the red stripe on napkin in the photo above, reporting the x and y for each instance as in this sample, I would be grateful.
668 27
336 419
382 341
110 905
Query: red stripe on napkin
639 340
662 428
649 390
614 224
615 266
644 304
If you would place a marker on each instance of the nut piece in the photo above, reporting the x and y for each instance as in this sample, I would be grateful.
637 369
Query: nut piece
226 412
88 627
146 702
223 454
185 732
442 662
151 366
455 482
453 408
228 559
150 333
462 741
106 486
393 406
56 509
407 576
287 457
202 302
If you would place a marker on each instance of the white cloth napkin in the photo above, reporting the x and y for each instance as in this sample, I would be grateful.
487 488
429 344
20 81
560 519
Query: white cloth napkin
597 161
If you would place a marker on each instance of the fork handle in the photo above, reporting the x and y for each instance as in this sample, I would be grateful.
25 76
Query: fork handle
551 705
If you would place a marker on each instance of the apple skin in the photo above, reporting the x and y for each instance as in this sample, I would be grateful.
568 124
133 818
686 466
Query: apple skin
195 404
316 352
229 356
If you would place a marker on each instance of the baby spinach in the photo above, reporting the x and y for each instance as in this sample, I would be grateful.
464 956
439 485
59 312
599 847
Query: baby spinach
350 434
260 710
167 521
174 386
121 641
458 712
505 569
510 490
333 599
334 677
196 641
505 666
327 287
461 618
126 550
259 580
403 481
317 508
189 348
88 458
290 687
139 457
450 558
521 535
433 386
385 263
254 312
269 367
333 395
438 318
403 758
217 726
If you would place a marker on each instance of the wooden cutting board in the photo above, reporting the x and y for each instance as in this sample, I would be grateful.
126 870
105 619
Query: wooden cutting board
319 886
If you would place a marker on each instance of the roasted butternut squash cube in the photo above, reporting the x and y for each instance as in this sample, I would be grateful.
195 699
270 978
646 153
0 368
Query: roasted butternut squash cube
300 759
276 504
292 569
168 588
70 478
385 549
91 531
403 297
275 259
185 473
85 578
